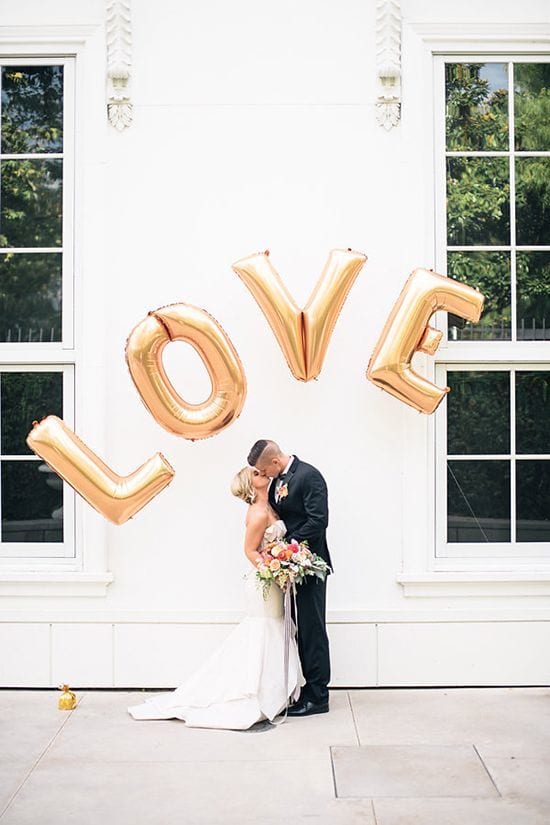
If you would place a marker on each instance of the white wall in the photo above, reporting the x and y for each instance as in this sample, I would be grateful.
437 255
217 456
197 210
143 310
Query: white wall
254 127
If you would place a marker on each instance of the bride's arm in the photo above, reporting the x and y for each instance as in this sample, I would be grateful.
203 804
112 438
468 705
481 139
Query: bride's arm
255 528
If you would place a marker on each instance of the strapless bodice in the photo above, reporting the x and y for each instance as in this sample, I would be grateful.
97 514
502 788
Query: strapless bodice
256 605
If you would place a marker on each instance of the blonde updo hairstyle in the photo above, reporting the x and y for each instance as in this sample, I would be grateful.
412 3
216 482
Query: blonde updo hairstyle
241 486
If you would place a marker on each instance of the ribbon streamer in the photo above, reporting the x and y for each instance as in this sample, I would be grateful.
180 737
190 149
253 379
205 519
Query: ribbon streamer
289 591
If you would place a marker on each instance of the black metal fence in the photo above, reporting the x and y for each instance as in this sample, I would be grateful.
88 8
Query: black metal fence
17 334
528 329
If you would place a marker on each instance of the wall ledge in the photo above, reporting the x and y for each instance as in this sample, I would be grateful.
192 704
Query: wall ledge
497 584
101 615
43 583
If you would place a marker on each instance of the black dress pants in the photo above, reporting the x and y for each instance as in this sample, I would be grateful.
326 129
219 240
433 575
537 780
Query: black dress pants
313 644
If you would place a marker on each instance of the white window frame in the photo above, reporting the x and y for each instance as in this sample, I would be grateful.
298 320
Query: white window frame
487 349
487 551
46 550
425 571
480 355
82 351
67 248
24 352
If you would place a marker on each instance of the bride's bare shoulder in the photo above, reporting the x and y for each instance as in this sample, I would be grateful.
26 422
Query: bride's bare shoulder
256 515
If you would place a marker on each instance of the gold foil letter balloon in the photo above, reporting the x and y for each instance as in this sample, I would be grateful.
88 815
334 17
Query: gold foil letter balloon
303 336
144 348
407 331
116 497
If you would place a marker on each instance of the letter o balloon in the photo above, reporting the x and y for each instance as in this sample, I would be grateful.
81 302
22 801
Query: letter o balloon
144 349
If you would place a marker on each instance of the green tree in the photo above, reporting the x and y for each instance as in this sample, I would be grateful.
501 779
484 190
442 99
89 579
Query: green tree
478 191
31 202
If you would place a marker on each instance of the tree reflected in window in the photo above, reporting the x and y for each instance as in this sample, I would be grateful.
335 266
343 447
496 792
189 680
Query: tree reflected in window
532 106
482 186
31 493
476 96
32 109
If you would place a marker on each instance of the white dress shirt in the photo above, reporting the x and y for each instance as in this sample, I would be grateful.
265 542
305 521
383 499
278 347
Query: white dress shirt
287 468
280 481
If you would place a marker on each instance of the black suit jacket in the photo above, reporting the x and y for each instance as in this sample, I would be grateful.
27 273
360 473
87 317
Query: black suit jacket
305 509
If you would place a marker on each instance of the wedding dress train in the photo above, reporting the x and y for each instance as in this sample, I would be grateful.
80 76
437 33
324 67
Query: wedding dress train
242 682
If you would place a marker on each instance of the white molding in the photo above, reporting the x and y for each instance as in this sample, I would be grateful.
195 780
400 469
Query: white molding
476 583
388 60
119 63
223 617
503 37
489 352
45 40
54 584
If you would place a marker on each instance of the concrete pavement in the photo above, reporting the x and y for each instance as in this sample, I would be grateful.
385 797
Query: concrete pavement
444 756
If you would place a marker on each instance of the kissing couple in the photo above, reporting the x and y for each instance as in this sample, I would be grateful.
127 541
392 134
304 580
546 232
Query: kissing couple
243 681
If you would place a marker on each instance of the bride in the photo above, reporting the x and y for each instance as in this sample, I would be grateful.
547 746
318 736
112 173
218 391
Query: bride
242 682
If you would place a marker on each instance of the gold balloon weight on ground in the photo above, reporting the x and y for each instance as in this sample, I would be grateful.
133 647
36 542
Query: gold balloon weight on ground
67 700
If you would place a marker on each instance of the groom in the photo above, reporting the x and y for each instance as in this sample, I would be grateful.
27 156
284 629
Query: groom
298 495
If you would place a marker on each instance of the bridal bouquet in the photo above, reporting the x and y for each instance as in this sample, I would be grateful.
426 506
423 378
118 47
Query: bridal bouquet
288 563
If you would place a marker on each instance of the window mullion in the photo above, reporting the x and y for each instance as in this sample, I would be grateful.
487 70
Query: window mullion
513 456
440 489
67 258
1 447
513 299
511 138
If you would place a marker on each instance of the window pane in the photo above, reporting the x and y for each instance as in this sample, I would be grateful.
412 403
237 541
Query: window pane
478 195
478 501
32 502
25 397
476 97
533 412
533 500
30 297
478 413
490 273
32 109
532 106
533 201
533 296
31 203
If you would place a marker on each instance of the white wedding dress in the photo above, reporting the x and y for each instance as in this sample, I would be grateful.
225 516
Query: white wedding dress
242 682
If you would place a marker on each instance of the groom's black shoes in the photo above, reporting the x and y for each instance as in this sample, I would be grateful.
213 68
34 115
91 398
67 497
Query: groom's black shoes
306 708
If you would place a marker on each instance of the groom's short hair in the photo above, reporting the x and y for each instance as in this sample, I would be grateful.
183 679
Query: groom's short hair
259 448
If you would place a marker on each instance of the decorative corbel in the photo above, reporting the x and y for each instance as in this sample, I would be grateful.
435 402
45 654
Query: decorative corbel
119 62
388 60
